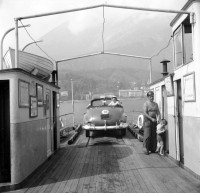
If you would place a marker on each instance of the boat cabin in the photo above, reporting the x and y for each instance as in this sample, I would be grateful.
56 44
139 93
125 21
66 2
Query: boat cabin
29 129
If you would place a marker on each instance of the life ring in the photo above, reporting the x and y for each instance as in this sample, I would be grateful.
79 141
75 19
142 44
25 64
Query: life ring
140 121
61 122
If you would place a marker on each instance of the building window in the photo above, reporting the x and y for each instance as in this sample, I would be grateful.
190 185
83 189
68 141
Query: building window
183 43
178 47
188 52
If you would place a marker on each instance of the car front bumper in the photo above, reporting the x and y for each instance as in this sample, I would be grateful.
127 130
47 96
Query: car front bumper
105 127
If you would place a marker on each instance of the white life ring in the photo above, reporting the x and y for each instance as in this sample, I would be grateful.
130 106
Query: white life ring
61 122
140 121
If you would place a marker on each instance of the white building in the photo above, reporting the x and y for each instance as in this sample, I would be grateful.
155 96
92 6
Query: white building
178 94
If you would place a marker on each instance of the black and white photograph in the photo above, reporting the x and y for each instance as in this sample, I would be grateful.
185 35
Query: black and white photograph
100 96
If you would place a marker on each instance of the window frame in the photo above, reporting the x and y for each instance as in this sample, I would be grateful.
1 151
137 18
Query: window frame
183 44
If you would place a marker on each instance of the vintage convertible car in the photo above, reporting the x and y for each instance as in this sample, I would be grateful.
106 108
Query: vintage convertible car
101 116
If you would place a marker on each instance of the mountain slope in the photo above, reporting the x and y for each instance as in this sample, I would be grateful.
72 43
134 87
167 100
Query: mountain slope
108 80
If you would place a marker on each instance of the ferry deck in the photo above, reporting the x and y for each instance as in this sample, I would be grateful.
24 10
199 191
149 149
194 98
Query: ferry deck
107 163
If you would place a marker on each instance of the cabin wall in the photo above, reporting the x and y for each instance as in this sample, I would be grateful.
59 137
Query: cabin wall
28 148
190 109
191 120
28 134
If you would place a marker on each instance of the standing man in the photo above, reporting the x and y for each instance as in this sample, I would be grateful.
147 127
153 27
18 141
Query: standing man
151 117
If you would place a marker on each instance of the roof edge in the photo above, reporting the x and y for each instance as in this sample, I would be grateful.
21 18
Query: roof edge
188 3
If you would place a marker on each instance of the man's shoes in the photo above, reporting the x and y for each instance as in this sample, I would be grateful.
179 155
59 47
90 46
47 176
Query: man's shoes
147 152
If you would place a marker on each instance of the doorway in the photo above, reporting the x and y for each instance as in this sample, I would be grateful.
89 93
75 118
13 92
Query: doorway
49 127
165 116
55 120
5 162
180 121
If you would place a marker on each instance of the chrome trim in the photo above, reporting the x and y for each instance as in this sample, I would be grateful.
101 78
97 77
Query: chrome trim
105 127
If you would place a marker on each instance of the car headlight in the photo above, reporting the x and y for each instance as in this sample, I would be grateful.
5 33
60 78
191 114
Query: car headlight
87 126
91 119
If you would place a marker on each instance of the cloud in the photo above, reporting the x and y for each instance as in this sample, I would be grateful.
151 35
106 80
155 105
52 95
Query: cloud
83 20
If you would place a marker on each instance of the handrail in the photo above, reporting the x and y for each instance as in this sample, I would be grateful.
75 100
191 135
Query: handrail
66 114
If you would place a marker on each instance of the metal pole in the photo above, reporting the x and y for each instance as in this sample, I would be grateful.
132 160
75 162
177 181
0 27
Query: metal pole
30 44
105 5
72 88
150 71
83 56
2 39
59 12
17 44
148 9
57 73
127 55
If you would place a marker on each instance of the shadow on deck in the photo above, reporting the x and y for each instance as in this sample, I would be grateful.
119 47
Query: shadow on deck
107 163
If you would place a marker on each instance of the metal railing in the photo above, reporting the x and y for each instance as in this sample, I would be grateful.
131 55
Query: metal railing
66 124
132 116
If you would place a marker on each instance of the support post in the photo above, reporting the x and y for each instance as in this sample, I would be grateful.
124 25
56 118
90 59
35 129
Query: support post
57 73
17 44
150 72
2 39
2 46
72 89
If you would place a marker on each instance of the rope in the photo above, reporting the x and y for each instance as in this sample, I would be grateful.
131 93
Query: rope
36 42
162 48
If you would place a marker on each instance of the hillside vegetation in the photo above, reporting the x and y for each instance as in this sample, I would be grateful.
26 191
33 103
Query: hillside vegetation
108 80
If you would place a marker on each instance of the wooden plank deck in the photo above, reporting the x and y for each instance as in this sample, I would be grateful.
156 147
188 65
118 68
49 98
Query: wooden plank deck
109 164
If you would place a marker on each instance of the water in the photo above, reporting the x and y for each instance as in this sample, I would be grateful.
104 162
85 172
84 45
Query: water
132 107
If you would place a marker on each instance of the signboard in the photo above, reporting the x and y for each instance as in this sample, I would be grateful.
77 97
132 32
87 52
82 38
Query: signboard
23 93
169 86
189 87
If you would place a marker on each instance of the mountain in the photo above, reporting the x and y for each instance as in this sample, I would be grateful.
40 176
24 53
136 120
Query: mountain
108 80
132 36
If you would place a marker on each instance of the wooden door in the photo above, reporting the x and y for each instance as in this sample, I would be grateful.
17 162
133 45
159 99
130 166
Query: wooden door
165 116
180 121
55 102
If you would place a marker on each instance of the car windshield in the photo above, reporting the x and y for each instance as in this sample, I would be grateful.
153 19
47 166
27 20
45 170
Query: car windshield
100 102
104 102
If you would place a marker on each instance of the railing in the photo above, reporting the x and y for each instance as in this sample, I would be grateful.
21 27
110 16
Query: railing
132 116
66 123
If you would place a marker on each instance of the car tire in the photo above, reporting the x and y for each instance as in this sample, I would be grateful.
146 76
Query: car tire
87 133
123 132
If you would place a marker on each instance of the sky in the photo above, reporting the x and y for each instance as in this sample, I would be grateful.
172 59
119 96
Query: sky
10 9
